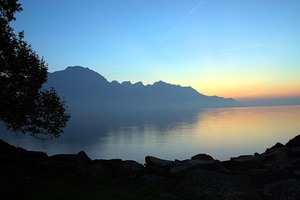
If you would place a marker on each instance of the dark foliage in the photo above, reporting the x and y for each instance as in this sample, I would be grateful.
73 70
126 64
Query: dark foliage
24 106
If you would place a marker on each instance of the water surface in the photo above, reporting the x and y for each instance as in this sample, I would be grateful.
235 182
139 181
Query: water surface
222 133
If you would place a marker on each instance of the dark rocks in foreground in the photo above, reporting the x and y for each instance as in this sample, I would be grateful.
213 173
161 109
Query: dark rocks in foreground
274 174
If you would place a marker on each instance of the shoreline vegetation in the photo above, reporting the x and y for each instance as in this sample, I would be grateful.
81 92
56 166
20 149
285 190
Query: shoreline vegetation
274 174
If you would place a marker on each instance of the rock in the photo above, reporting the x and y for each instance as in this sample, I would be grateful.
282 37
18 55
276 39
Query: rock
36 155
262 177
109 162
202 156
297 173
130 168
296 163
295 142
169 196
157 165
118 167
82 157
283 190
242 163
276 146
188 165
274 174
152 178
78 159
281 155
131 165
71 160
4 146
211 185
110 165
10 153
92 172
244 158
150 160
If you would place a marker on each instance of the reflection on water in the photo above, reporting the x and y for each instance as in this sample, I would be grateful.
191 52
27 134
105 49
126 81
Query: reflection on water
171 134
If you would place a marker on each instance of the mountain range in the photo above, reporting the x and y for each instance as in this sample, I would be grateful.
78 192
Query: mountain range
83 88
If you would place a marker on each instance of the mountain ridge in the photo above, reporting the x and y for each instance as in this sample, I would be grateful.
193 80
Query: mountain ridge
84 88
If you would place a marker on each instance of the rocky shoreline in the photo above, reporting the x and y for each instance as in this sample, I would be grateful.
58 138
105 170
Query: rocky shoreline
274 174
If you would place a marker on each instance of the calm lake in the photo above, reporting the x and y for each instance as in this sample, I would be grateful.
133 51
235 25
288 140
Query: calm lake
221 133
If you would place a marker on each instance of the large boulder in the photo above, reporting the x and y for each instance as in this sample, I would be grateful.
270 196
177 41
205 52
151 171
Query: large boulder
276 146
118 167
110 165
181 167
260 177
242 163
5 147
92 172
130 168
295 142
287 189
212 185
10 152
202 156
281 155
80 158
67 162
157 165
165 167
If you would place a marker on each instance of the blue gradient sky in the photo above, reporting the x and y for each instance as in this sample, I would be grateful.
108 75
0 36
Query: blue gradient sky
231 48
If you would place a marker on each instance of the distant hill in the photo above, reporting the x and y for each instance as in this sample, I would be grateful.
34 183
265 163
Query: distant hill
83 88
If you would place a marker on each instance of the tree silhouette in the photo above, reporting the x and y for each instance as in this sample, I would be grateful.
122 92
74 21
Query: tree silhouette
24 106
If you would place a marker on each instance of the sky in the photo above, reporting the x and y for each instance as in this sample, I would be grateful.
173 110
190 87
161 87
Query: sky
242 49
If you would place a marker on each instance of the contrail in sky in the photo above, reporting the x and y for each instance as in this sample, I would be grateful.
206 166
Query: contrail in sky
243 48
178 23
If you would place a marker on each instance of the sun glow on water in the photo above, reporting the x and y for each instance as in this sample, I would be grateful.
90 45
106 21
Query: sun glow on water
222 133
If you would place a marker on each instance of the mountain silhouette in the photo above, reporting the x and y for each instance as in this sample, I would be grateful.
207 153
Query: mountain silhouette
83 88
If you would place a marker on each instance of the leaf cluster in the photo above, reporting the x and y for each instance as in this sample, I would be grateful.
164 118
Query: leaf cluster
24 106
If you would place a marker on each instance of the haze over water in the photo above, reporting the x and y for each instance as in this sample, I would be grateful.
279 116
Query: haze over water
246 50
222 133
